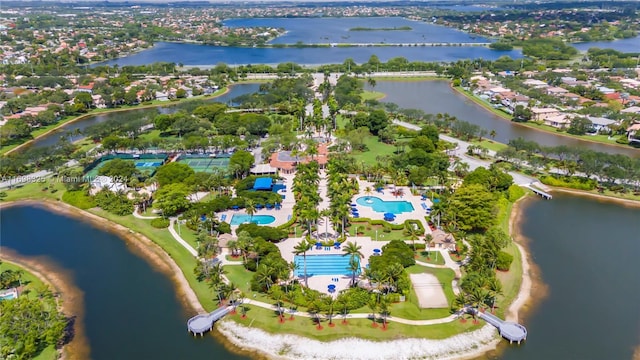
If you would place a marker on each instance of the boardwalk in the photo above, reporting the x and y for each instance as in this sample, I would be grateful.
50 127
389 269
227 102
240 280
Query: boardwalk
507 329
202 323
545 195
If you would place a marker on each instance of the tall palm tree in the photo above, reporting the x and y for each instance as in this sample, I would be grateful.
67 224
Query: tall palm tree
373 305
353 251
250 208
495 289
264 276
384 307
301 249
329 303
413 234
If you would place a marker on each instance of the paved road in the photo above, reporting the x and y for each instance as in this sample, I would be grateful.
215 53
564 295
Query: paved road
461 152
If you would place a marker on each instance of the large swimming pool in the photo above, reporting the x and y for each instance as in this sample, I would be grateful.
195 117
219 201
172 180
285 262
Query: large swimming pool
331 264
238 219
383 206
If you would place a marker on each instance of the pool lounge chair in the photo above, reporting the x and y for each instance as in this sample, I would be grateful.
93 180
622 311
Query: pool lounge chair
223 217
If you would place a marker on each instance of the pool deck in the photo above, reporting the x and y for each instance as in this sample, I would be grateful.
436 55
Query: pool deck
281 216
418 212
320 282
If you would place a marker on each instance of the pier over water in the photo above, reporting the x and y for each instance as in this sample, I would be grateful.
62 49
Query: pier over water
507 329
202 323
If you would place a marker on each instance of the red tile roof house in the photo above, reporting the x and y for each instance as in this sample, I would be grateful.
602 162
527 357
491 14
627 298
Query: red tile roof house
86 88
285 163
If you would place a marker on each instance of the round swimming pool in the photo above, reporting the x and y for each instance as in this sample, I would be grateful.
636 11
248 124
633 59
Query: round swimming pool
238 219
383 206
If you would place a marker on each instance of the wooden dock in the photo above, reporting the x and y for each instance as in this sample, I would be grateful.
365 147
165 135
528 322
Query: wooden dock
545 195
507 329
200 324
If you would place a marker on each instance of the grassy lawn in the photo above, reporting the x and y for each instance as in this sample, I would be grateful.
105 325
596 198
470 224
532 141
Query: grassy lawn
241 278
30 283
375 148
512 279
430 257
372 95
604 139
407 79
177 252
490 144
268 320
187 234
35 191
482 103
48 353
365 229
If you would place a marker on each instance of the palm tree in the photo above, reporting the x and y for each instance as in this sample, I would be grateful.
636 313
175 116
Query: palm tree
493 134
264 277
367 191
495 289
413 234
313 308
428 240
373 305
353 251
343 303
328 307
301 248
384 310
250 208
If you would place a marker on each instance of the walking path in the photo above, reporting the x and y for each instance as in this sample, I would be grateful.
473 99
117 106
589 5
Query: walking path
444 320
136 214
179 239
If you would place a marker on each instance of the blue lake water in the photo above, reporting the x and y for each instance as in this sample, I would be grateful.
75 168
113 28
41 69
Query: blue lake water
624 45
336 30
194 54
383 206
322 264
238 219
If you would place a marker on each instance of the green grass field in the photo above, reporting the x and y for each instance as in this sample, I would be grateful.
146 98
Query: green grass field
376 148
429 257
36 191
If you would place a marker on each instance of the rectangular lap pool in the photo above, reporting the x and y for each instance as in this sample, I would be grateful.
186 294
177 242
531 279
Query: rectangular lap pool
323 265
383 206
238 219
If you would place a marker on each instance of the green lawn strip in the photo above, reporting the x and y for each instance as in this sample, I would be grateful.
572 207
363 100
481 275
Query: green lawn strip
482 103
34 190
490 144
365 229
177 252
30 283
409 78
372 95
268 321
431 258
241 278
48 353
186 234
512 279
375 149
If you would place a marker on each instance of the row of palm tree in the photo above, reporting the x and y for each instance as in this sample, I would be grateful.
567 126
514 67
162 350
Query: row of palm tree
306 193
340 190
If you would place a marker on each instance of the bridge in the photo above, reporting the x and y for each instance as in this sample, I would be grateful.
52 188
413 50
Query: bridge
200 324
507 329
406 44
545 195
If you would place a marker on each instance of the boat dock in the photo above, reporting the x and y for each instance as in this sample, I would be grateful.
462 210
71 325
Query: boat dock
507 329
200 324
545 195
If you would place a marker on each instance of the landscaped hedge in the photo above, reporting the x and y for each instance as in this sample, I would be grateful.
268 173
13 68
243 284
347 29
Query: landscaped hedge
289 223
504 261
160 223
386 225
409 223
267 233
572 183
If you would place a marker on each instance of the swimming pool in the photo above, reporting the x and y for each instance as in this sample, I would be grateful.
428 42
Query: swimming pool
383 206
8 296
323 265
238 219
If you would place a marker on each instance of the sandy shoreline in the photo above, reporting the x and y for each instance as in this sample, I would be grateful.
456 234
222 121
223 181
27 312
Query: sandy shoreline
71 304
462 346
604 198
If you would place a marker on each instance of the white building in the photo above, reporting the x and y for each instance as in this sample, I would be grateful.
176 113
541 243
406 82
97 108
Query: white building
106 182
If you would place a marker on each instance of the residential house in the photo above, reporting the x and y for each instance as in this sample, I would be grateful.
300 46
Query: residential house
540 114
286 163
559 121
98 101
631 132
106 182
600 124
556 91
631 110
536 84
86 88
162 96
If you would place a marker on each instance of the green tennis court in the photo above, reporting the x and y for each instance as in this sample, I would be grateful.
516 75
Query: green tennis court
205 164
146 166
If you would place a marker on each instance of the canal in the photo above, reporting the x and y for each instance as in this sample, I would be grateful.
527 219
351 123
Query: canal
586 250
437 97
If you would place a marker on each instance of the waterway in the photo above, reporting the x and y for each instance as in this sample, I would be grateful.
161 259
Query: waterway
53 138
338 30
586 251
437 97
131 310
631 45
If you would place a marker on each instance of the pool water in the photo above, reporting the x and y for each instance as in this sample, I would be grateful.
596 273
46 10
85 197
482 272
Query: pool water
331 264
8 296
238 219
383 206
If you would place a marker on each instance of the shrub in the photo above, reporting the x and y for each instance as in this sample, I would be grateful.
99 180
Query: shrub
515 192
504 261
114 203
573 183
418 246
267 233
160 223
409 223
79 199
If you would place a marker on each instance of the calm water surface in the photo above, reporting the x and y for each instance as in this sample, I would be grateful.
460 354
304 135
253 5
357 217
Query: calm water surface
438 97
624 45
53 138
131 311
588 253
336 30
586 250
193 54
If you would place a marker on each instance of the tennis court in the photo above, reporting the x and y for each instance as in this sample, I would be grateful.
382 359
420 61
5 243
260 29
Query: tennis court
145 166
206 164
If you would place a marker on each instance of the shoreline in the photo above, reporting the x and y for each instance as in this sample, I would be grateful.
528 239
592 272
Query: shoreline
111 111
233 336
605 198
524 125
72 299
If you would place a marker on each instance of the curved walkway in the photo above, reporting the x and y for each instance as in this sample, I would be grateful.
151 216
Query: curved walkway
444 320
179 239
137 215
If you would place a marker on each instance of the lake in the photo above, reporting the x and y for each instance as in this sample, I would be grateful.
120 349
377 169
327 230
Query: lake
624 45
131 310
438 97
53 138
586 251
194 54
337 30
